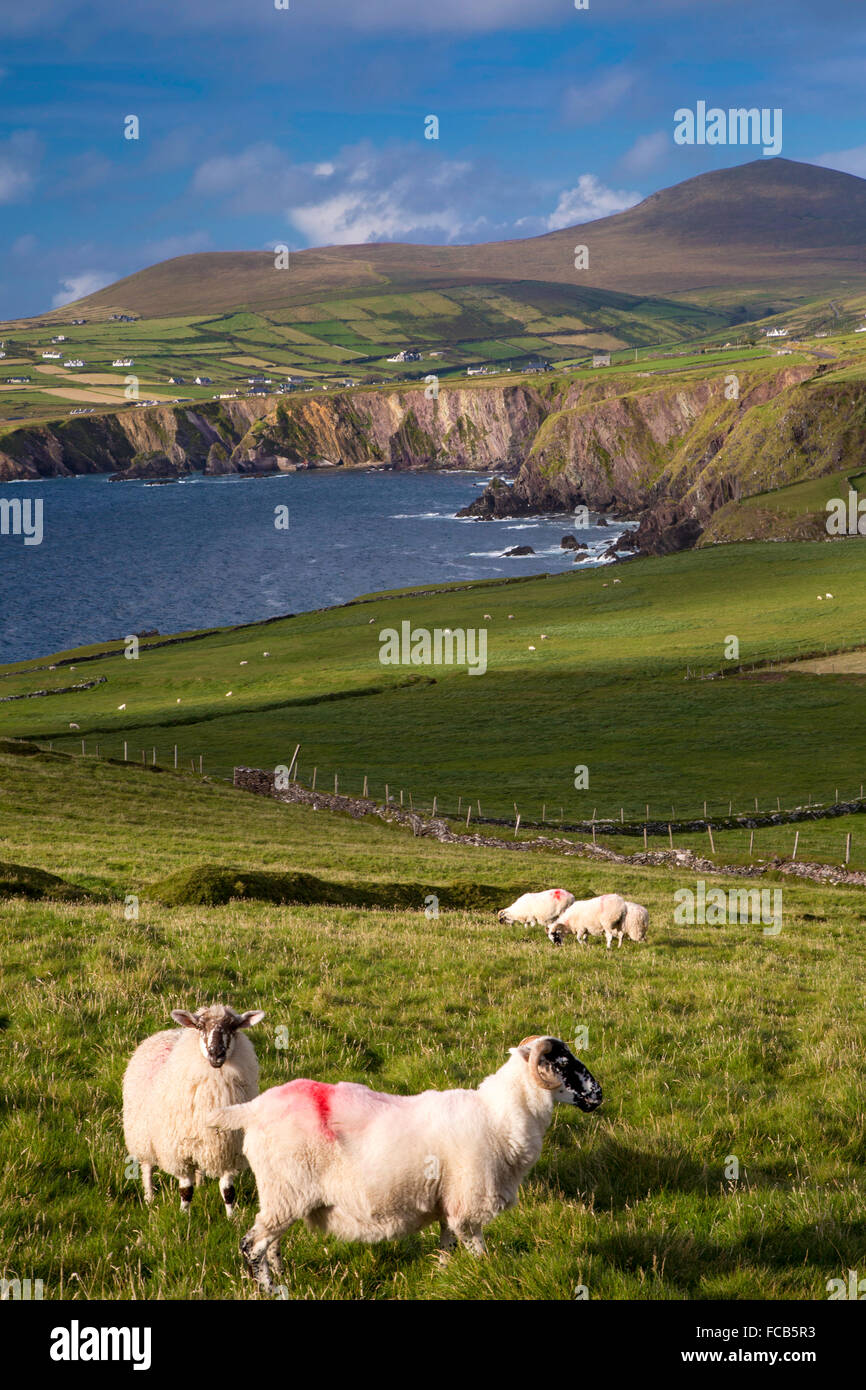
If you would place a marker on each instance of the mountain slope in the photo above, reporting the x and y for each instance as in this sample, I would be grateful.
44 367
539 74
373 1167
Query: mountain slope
773 224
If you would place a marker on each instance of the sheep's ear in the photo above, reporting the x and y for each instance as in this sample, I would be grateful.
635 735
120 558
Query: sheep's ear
250 1018
185 1018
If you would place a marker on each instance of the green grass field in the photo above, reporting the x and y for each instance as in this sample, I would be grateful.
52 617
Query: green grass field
615 686
720 1050
728 1159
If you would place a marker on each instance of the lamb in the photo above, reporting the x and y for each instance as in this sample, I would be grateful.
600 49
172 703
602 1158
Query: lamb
365 1166
537 909
172 1083
591 917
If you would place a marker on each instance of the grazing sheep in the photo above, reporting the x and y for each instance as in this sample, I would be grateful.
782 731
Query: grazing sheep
635 922
590 917
172 1083
361 1165
537 909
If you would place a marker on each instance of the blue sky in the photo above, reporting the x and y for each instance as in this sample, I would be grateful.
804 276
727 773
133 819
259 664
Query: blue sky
306 125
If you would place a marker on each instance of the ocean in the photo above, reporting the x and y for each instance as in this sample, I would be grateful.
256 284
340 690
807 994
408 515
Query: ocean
117 558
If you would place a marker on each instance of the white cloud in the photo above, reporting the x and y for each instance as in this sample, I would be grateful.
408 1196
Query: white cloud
78 286
846 161
647 153
587 201
19 160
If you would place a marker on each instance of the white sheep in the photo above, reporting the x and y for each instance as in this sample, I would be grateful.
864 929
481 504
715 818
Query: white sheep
361 1165
537 909
635 923
590 917
172 1083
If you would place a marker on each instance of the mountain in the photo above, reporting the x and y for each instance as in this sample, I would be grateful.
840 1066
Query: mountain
772 227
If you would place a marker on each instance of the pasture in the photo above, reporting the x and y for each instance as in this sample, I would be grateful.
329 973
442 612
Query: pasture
720 1050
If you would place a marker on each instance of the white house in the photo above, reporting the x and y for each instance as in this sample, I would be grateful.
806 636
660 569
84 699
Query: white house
203 381
123 362
777 332
73 362
601 359
54 356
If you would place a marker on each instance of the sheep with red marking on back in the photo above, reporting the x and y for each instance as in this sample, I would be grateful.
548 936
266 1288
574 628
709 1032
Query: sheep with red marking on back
361 1165
173 1081
537 909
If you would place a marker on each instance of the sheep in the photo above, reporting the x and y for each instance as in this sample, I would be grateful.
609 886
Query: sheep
635 922
537 909
172 1083
590 917
365 1166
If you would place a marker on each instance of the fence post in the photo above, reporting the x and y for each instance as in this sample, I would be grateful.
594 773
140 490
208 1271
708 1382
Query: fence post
200 765
468 814
82 745
175 757
516 825
712 841
848 847
644 836
387 797
364 793
670 836
796 842
336 784
434 806
751 843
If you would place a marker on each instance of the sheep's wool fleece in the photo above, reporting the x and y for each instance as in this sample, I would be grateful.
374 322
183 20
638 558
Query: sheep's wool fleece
169 1090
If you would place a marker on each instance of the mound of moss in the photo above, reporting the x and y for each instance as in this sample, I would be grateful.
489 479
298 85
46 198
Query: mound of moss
19 880
19 748
210 885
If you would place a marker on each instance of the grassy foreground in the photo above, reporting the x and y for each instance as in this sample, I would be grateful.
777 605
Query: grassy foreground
712 1045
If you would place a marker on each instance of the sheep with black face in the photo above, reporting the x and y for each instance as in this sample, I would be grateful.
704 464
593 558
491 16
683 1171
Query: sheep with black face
362 1165
172 1083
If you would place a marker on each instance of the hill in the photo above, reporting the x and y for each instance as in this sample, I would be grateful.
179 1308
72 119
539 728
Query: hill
774 224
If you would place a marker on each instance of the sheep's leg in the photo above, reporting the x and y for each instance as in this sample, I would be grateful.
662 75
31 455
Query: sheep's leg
472 1239
608 937
275 1259
227 1192
447 1242
147 1181
255 1246
619 943
186 1189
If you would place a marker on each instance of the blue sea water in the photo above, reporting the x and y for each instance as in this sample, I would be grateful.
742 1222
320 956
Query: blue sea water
117 558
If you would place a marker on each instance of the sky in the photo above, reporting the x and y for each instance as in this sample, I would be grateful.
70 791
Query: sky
305 125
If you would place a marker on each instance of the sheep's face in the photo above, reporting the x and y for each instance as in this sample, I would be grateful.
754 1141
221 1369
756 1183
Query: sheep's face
569 1081
217 1027
554 934
504 916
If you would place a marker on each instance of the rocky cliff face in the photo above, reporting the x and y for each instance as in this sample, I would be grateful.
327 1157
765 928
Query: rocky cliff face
670 454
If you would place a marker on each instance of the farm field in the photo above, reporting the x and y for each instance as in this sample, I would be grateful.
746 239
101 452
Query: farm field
617 685
726 1161
321 341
